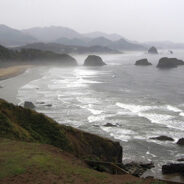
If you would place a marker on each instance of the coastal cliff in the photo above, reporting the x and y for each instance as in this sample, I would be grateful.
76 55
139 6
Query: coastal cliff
36 149
23 124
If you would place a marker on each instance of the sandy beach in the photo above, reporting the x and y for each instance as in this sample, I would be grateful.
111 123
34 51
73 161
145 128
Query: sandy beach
12 71
12 78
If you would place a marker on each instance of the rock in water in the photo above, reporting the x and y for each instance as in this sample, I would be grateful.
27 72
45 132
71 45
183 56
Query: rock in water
143 62
29 105
181 142
180 160
169 62
93 60
173 168
152 50
110 125
163 138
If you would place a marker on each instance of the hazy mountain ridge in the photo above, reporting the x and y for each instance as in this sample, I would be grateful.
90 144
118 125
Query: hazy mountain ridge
51 33
14 37
61 49
65 36
121 44
112 37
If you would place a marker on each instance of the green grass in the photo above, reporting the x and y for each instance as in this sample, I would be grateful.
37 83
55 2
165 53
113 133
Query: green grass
18 157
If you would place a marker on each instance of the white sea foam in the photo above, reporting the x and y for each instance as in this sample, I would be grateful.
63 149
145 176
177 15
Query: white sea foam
95 112
148 153
175 124
157 118
141 108
145 112
96 118
118 133
172 108
135 108
181 114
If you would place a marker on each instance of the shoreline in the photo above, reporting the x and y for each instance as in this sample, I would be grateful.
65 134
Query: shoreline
12 71
11 83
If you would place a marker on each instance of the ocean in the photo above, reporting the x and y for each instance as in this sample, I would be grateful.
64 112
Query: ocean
121 101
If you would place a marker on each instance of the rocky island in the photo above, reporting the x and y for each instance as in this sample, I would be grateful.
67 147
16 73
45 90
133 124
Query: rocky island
181 142
143 62
152 50
93 60
169 62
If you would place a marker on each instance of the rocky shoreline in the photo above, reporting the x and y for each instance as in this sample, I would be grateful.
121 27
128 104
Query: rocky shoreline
134 168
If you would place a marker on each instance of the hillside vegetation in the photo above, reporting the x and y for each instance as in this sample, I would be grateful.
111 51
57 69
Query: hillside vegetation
34 55
22 124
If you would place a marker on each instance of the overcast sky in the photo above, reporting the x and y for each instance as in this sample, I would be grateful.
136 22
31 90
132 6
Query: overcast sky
141 20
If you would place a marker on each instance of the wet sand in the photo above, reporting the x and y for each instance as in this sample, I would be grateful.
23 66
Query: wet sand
15 78
12 71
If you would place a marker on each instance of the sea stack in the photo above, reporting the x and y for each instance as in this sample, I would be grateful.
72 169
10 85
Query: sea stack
152 50
172 168
169 62
93 60
143 62
29 105
181 142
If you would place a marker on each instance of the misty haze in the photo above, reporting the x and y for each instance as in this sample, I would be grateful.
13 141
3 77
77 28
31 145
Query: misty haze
91 91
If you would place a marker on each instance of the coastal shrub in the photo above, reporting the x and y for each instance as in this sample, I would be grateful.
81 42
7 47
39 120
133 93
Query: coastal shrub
27 125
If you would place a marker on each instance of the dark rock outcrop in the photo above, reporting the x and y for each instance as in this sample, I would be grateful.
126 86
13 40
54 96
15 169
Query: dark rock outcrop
169 62
181 142
173 168
48 105
136 169
108 167
133 168
152 50
40 103
180 160
93 60
110 125
163 138
143 62
29 105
